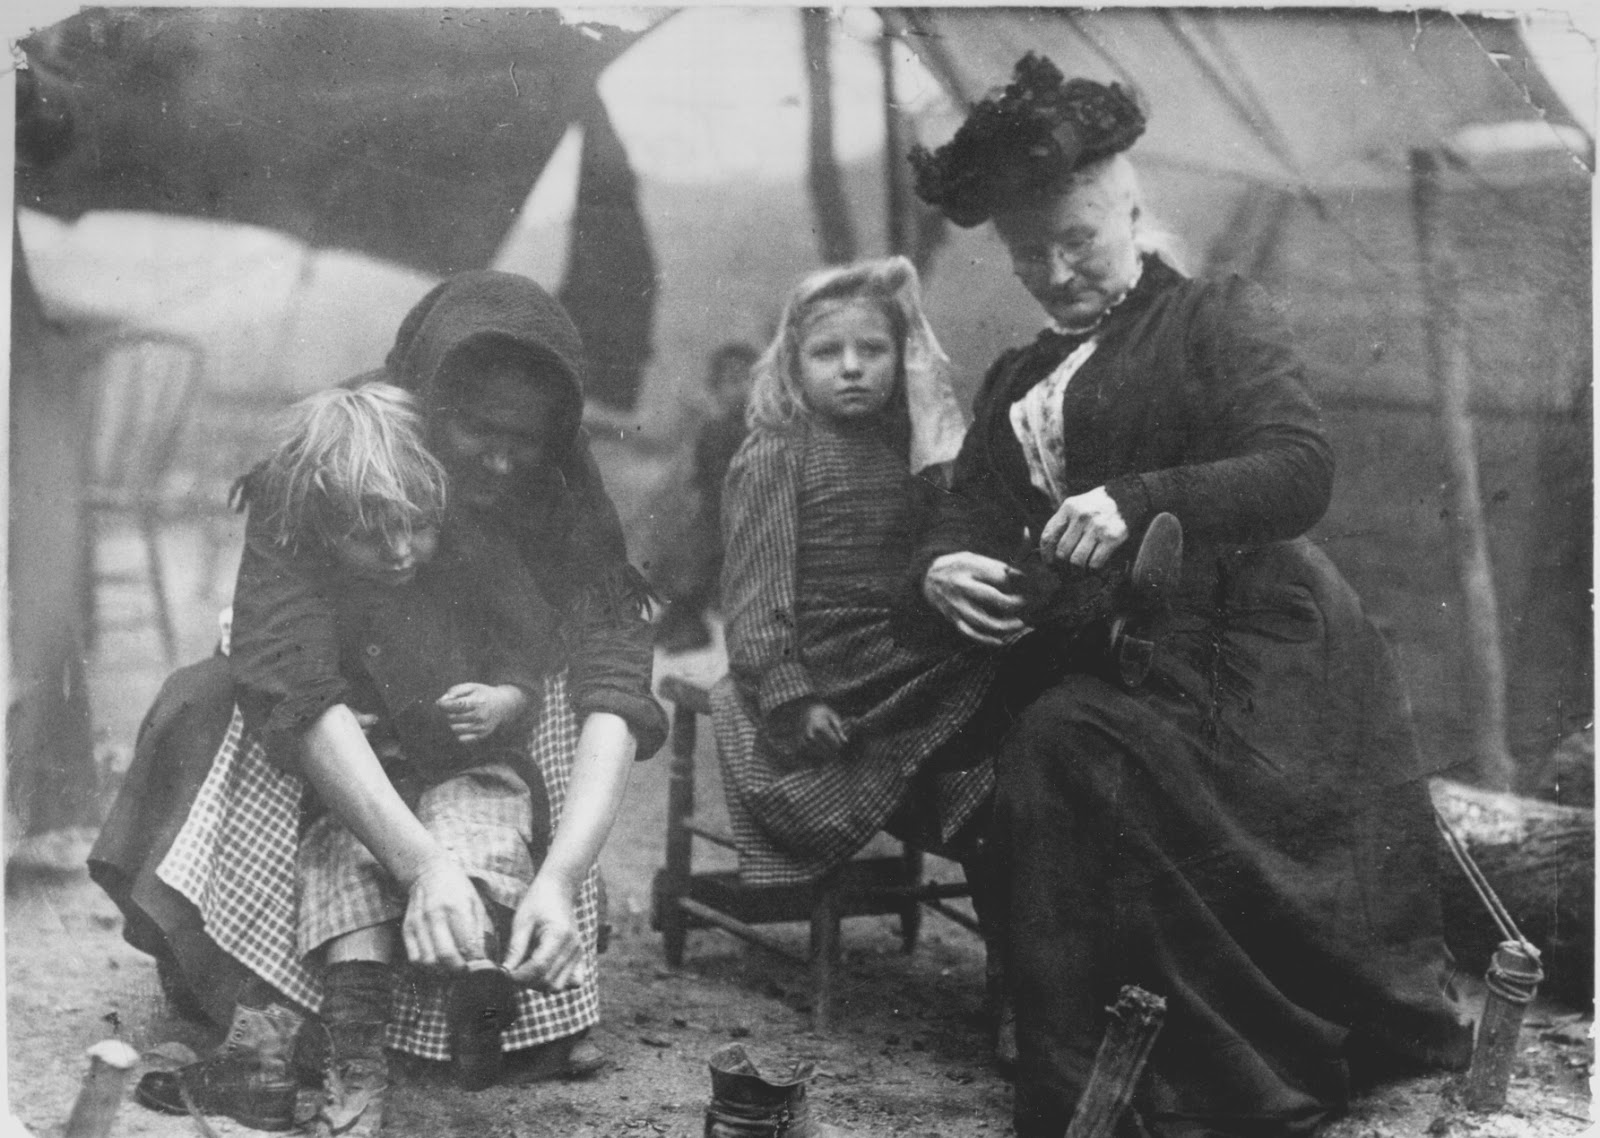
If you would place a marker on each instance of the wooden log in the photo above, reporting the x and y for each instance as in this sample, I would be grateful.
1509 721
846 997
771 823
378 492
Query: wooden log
1136 1019
1539 858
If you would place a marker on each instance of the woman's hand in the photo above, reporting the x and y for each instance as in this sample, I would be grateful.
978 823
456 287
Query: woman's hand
976 594
476 711
1086 530
445 922
546 949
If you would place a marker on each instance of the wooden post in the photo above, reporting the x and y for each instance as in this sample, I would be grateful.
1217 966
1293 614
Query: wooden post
1136 1019
836 236
1484 701
672 881
110 1060
894 160
826 953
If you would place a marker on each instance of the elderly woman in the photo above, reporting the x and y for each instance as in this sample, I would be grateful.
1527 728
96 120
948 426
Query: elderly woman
1242 831
496 368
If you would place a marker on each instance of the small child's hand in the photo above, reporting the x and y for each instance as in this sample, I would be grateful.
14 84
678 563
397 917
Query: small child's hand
805 732
476 711
823 729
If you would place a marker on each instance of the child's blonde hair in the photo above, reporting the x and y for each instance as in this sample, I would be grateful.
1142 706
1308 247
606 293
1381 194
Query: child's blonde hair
350 461
776 401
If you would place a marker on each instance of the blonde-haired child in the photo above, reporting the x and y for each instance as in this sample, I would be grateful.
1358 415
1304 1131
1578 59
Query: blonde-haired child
831 727
440 662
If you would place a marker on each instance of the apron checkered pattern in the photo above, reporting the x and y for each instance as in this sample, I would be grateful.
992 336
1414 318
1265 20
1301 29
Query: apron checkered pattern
483 817
234 859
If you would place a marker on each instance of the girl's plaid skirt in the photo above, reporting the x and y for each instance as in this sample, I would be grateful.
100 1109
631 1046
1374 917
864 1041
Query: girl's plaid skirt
234 859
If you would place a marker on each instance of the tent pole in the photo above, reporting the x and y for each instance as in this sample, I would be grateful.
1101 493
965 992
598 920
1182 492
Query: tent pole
893 147
1485 696
836 235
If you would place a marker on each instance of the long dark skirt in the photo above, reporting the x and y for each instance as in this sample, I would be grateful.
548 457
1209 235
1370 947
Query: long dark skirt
1247 836
176 744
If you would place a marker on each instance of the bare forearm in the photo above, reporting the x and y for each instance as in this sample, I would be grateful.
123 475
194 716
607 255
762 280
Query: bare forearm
340 764
594 796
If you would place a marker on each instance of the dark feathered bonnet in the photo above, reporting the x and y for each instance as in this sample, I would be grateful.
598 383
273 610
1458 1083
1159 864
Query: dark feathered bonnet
1020 141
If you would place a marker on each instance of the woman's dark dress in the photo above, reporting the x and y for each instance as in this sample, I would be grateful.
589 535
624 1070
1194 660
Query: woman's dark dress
1248 835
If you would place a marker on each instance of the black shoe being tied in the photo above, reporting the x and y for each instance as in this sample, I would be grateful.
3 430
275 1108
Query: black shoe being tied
1151 582
248 1079
479 1006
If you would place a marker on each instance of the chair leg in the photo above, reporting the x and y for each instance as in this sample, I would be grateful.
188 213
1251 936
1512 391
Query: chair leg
911 911
672 883
825 956
149 530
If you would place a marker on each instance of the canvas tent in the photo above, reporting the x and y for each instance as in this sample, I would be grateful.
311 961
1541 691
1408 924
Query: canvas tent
1280 144
409 135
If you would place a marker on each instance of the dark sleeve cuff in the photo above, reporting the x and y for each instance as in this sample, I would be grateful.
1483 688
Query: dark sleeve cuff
1133 501
641 712
782 684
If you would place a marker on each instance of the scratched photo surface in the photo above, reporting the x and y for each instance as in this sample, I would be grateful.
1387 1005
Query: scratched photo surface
221 210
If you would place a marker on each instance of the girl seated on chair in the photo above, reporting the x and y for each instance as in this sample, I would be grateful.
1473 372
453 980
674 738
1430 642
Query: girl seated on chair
831 727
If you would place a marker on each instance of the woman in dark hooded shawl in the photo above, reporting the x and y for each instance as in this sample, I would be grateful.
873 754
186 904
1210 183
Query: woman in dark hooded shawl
496 367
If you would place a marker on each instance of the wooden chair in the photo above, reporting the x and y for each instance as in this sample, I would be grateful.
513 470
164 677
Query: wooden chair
867 886
143 396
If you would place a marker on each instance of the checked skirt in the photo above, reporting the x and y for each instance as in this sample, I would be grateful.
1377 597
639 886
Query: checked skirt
234 859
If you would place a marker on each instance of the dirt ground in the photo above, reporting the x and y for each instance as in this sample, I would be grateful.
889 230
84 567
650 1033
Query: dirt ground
908 1056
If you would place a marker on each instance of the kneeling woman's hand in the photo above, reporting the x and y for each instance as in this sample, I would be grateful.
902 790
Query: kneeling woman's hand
546 950
445 923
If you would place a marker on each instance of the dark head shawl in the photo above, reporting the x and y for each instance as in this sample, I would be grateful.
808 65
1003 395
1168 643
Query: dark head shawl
1018 143
567 527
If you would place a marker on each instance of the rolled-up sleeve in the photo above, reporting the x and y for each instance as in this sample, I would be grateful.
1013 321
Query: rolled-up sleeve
285 649
611 657
760 519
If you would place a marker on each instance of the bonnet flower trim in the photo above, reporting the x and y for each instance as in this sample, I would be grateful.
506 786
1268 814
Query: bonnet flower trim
1019 141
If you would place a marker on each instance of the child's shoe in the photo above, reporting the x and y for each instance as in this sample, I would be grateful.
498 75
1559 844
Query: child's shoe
479 1006
248 1079
746 1104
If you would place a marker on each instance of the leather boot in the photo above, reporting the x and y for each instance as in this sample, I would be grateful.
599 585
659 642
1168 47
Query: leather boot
1147 608
355 1010
746 1105
249 1078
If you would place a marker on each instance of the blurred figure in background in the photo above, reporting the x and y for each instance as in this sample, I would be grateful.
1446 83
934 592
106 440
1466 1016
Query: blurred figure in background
692 565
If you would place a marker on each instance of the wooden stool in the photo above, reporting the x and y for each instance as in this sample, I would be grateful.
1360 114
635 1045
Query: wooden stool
867 886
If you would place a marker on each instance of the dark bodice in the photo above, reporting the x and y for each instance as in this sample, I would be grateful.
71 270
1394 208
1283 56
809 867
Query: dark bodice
1193 402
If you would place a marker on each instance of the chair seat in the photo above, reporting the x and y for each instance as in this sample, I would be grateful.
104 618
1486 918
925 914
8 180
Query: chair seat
684 900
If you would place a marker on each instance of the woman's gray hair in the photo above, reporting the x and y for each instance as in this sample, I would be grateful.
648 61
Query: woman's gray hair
1117 174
